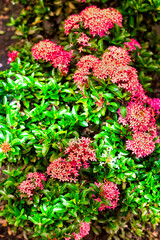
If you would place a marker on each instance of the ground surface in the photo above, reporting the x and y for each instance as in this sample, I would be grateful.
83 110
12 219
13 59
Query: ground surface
6 11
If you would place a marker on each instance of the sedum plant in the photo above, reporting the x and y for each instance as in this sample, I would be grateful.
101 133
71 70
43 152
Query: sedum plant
79 140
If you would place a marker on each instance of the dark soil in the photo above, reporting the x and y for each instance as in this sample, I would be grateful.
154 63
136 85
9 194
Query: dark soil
6 11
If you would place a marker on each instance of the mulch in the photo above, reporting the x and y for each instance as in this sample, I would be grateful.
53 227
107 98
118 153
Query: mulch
6 33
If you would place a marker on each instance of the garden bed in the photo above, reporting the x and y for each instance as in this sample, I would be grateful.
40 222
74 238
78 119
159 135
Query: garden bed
5 230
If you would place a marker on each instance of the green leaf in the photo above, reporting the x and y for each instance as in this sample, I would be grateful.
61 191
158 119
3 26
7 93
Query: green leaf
36 198
42 3
95 230
123 111
100 44
83 124
9 119
113 87
131 21
54 156
155 210
45 149
59 209
33 219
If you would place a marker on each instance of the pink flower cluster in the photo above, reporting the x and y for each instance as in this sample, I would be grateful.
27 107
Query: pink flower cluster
34 181
99 21
85 64
155 104
109 191
114 64
62 170
119 56
12 56
141 117
142 144
131 45
50 52
72 22
80 153
83 41
84 231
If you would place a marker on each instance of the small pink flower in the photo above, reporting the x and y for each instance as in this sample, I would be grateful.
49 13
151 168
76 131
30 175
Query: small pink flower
72 22
62 170
131 45
83 40
67 238
85 64
12 56
140 118
142 144
34 181
109 192
80 152
84 231
155 104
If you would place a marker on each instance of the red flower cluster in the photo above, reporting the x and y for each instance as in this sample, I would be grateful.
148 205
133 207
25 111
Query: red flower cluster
62 170
80 153
34 181
72 22
114 64
109 192
99 21
155 104
50 52
83 40
84 231
119 56
85 64
12 56
142 144
141 117
131 45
